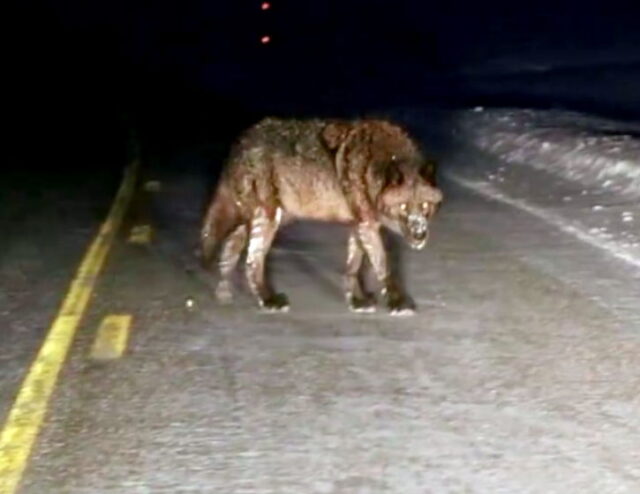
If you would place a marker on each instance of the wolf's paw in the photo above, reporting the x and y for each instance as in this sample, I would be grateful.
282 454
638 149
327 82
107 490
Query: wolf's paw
360 305
223 293
401 306
277 302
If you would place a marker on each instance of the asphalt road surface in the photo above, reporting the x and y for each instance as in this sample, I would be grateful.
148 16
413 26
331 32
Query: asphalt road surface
518 374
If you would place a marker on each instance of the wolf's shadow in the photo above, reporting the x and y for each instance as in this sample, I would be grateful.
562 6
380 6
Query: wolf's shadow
330 280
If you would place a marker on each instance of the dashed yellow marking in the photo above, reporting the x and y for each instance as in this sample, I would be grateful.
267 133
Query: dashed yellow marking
28 411
112 337
140 235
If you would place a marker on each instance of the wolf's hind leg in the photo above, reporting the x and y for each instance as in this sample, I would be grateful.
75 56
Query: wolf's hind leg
264 226
357 298
229 257
222 218
398 303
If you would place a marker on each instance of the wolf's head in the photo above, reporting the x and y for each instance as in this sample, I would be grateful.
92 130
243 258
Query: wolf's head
401 180
409 201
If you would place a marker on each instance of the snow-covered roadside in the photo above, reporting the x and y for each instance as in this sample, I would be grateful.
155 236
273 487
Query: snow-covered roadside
579 173
600 154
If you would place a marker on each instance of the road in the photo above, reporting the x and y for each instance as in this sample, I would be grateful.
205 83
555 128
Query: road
518 373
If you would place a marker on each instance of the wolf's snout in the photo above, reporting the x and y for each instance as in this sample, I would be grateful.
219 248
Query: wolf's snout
418 225
418 230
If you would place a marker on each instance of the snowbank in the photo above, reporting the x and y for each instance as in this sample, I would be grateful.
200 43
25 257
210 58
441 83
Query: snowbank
597 153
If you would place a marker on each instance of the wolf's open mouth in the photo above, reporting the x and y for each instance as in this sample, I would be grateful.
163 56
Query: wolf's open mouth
418 244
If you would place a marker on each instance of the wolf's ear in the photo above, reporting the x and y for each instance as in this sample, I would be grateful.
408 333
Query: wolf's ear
334 133
428 171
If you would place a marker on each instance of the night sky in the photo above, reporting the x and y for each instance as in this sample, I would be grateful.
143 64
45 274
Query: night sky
77 59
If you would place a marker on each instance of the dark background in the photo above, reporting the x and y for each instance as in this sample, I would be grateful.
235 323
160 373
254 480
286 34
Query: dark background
194 68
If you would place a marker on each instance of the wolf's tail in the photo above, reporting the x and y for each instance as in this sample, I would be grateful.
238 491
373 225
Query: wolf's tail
222 216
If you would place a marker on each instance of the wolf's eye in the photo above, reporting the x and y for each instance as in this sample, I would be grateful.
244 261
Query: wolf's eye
394 157
425 206
403 207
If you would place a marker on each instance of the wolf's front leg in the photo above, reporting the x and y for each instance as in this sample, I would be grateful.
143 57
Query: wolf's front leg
357 298
264 226
398 303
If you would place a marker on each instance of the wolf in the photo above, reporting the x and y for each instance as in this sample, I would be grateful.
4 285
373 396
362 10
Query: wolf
366 173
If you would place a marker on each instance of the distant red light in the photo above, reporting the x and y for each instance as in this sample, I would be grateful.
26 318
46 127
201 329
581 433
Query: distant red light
265 6
265 39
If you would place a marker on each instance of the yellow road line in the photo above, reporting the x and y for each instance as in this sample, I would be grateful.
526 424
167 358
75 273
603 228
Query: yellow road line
112 337
27 413
140 235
